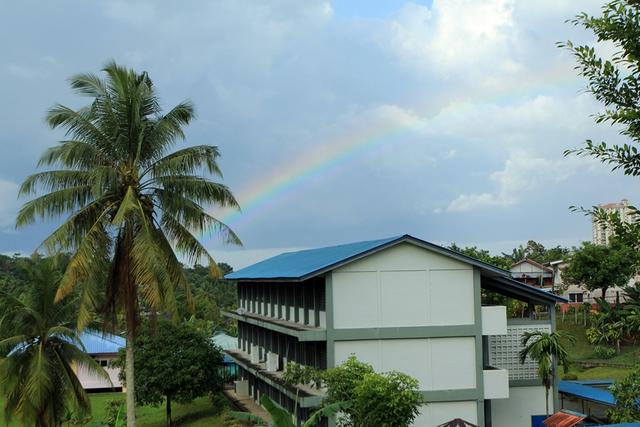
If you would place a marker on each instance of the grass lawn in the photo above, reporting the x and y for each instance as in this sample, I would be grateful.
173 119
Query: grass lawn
199 413
582 350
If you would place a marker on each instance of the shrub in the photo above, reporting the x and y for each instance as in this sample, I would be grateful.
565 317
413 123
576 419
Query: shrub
115 414
601 352
390 399
219 403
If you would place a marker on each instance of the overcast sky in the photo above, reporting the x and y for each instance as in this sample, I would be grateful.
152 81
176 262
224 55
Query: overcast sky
337 121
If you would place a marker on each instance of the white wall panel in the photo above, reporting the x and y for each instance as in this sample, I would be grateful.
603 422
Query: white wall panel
437 363
453 363
437 413
404 297
452 297
356 300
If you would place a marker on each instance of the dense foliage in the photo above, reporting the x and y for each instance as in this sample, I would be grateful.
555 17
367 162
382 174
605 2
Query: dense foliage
174 363
627 395
389 399
38 350
614 81
533 250
601 267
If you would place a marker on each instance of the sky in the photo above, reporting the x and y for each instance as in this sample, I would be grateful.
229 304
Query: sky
337 121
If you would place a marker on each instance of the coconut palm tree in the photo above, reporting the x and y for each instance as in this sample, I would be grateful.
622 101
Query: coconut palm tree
38 348
544 348
130 202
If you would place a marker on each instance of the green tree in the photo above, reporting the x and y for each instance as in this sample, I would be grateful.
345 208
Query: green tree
38 348
130 202
390 399
174 363
600 267
614 82
482 255
546 348
627 395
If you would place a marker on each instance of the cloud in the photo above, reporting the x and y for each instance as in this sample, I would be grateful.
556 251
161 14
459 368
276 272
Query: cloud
522 175
454 34
8 204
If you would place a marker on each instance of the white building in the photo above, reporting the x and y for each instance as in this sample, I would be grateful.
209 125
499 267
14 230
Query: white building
104 349
600 232
399 304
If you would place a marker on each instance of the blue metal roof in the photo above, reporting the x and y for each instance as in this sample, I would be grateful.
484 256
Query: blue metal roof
586 391
95 342
303 265
296 265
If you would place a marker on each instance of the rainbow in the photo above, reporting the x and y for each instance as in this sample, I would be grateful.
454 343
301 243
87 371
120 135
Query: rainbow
263 193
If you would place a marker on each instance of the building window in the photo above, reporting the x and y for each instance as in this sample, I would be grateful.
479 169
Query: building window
576 297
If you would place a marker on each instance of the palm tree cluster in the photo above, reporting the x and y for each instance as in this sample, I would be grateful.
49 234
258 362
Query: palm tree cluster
129 202
613 324
38 349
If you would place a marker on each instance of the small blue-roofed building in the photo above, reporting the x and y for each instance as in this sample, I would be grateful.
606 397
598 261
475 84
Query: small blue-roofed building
104 349
592 397
227 342
399 303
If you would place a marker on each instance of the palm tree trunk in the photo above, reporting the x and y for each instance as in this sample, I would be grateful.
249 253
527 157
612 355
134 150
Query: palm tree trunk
168 411
130 308
546 399
130 380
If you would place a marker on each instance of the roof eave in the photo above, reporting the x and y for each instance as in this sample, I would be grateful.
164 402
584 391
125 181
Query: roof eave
405 238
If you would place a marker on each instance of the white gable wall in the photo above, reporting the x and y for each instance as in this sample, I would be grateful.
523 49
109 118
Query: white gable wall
403 286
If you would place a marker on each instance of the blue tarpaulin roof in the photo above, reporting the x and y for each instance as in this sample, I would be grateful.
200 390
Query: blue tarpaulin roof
95 342
586 390
295 265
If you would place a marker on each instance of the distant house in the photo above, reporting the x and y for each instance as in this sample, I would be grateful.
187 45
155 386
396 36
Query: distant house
532 273
104 349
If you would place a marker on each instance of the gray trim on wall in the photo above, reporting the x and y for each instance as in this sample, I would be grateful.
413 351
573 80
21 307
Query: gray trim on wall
525 383
477 300
556 397
352 334
330 335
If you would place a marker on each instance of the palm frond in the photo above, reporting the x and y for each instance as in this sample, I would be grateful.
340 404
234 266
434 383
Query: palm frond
54 204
